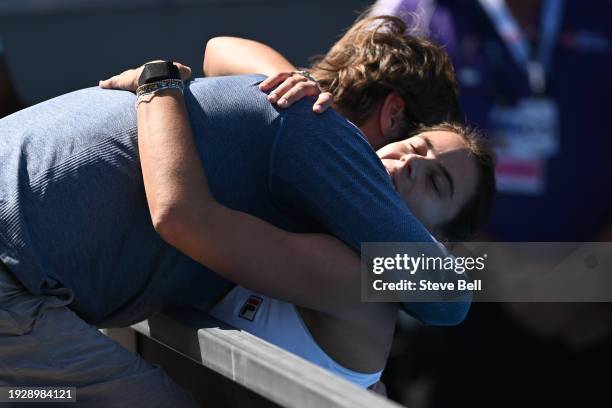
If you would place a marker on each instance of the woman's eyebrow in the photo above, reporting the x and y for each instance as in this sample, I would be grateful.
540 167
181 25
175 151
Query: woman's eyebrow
443 169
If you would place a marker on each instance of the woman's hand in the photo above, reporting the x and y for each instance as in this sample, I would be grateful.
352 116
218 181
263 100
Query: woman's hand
294 87
128 80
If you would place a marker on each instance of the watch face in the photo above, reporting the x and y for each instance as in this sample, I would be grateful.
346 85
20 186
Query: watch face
158 71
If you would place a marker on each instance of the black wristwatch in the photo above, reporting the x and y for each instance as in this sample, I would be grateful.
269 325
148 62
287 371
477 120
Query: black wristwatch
158 71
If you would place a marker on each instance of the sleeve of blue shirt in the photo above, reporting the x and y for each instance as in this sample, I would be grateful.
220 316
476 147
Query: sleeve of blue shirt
324 168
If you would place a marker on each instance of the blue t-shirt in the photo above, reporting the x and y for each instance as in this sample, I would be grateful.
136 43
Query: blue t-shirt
73 211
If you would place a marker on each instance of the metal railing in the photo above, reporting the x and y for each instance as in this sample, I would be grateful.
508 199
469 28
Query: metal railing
277 375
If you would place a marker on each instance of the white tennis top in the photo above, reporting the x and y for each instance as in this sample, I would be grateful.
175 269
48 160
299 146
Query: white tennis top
280 323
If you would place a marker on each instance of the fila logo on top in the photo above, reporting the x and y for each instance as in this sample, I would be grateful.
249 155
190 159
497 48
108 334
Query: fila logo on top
250 307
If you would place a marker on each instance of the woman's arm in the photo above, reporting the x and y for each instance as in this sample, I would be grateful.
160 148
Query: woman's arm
315 271
234 56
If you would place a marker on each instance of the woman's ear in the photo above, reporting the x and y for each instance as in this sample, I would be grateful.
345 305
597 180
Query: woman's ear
391 117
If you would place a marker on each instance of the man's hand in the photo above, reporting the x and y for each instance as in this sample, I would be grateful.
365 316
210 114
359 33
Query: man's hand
128 80
294 87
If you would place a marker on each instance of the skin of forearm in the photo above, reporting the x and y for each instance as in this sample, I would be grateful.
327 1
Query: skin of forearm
169 158
234 56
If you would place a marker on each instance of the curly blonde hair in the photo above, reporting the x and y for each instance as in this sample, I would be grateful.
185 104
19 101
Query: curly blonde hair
376 57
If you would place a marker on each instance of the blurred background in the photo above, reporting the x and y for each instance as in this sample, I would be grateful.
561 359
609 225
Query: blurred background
56 46
535 75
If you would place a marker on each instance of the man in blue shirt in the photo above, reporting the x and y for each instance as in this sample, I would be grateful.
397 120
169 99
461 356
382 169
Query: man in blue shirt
75 229
70 167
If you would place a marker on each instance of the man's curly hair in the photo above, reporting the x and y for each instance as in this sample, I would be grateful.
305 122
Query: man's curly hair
376 56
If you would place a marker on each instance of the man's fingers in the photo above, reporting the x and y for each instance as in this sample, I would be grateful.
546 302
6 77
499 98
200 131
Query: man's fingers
274 80
324 101
184 70
128 80
109 83
297 92
121 81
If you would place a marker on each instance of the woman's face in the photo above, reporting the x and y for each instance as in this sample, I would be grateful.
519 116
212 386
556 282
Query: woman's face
433 173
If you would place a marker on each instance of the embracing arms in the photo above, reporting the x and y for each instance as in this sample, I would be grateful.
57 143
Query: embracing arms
235 56
334 179
315 271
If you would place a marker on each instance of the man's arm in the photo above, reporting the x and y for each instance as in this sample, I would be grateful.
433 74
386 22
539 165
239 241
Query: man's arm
235 56
315 271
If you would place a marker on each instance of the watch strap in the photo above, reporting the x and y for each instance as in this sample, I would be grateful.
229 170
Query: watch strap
158 71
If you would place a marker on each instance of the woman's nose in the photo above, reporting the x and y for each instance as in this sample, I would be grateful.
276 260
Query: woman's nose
407 161
416 164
